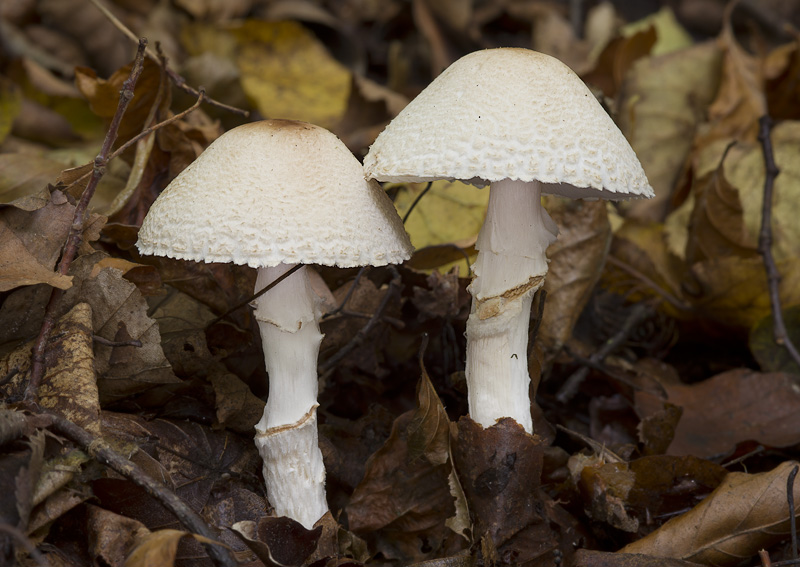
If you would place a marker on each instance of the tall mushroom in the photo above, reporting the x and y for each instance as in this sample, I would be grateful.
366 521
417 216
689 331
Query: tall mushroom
270 195
525 123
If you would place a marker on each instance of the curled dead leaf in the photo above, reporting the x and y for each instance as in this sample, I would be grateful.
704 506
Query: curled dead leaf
747 512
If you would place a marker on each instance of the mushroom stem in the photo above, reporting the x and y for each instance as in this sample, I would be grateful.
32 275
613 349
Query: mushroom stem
286 436
510 267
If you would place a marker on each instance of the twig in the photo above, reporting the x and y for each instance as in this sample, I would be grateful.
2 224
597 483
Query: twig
179 81
102 452
26 543
603 452
765 240
255 296
116 153
103 341
671 299
362 333
638 314
764 556
74 237
416 201
792 512
347 296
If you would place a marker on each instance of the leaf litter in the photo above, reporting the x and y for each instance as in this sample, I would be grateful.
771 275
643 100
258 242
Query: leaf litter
690 416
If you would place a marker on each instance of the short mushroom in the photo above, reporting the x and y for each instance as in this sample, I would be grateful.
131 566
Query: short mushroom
270 195
525 123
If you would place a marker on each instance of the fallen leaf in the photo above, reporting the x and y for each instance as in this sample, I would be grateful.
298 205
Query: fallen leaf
69 385
499 469
103 96
451 212
740 101
159 548
404 499
20 466
746 512
121 370
605 488
617 58
576 262
289 74
671 35
662 103
112 536
716 226
592 558
745 171
721 412
279 542
733 291
237 407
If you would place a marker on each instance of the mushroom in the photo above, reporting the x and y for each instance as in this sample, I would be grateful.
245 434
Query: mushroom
270 195
525 123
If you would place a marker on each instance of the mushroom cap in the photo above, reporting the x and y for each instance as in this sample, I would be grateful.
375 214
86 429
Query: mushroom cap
510 113
275 191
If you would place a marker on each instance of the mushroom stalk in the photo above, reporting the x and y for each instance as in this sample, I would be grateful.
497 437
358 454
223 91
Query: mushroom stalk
286 436
510 267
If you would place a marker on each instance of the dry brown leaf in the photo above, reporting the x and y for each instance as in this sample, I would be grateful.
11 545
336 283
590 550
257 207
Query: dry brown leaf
120 313
103 96
69 386
158 549
617 58
404 500
747 512
716 227
31 241
499 469
662 103
237 407
740 101
281 541
576 262
112 536
722 411
591 558
733 291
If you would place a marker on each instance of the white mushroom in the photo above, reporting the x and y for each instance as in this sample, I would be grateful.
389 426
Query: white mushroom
525 123
272 194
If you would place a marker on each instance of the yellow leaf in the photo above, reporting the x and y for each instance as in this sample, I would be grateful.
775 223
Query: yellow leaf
671 34
288 73
745 171
450 213
733 290
662 101
158 549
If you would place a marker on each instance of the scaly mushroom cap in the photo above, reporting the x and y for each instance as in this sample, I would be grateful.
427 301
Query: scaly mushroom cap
275 191
510 114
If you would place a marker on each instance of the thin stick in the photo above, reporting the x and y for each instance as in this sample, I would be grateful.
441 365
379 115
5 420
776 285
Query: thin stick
416 201
638 314
779 332
102 452
362 333
261 292
74 237
347 296
671 299
18 535
116 153
179 81
792 512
